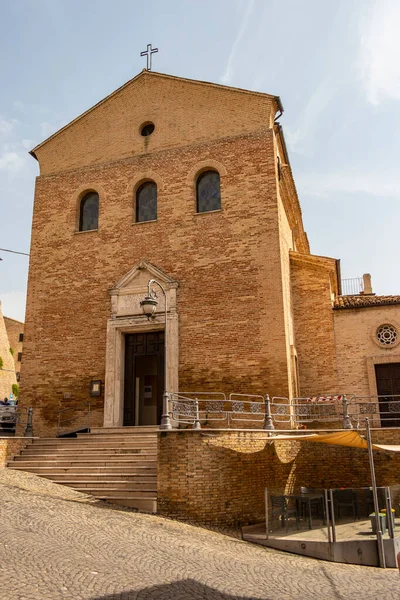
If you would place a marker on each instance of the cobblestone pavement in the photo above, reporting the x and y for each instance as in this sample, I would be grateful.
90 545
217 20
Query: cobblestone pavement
59 544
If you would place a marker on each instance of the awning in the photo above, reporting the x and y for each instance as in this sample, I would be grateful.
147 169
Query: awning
349 438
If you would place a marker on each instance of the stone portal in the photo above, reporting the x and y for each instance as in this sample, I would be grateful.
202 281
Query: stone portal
127 375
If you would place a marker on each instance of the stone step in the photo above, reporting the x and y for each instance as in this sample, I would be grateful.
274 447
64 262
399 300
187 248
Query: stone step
100 492
79 461
62 453
116 439
125 430
144 504
89 438
121 486
96 444
124 457
55 469
69 479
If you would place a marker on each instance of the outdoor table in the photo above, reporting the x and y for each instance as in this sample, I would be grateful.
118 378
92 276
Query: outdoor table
306 498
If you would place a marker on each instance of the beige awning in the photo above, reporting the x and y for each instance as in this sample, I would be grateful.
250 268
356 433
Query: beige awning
349 438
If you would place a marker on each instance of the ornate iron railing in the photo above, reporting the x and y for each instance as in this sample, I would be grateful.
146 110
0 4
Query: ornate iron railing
382 411
200 408
300 411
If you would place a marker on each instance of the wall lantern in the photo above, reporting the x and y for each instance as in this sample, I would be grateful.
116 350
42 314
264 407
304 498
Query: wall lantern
95 387
149 305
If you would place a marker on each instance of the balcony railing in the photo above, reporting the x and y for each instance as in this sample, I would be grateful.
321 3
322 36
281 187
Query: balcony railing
352 287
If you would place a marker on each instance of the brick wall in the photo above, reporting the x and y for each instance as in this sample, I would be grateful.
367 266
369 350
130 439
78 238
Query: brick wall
227 263
313 317
10 447
221 479
184 113
357 350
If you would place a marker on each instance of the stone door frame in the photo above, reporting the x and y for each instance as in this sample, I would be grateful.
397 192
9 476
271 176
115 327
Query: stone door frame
125 299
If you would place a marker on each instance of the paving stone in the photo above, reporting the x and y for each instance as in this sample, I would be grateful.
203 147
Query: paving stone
68 547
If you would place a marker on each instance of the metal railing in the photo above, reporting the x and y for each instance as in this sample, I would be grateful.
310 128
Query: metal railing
302 411
382 411
25 420
80 418
217 410
201 408
353 286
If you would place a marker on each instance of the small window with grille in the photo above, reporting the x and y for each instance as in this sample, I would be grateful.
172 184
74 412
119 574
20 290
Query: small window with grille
387 335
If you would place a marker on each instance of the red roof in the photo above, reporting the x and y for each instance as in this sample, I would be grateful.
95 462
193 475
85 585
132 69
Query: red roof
364 301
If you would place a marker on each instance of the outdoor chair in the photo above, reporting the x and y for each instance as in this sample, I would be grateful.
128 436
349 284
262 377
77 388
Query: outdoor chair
315 504
280 508
369 501
345 499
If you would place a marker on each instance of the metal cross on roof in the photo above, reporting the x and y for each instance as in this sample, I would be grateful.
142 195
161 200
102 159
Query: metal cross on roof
148 53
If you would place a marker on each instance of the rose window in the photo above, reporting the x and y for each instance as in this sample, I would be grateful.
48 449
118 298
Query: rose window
387 335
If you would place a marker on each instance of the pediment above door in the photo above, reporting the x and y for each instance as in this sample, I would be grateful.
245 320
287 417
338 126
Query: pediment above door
127 294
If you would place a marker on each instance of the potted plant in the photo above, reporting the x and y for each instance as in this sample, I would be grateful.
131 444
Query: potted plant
382 521
393 516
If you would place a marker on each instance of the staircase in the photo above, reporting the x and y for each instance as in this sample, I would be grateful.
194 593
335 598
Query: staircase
116 464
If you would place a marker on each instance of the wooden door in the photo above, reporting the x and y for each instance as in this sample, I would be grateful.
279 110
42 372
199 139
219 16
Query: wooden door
388 385
144 378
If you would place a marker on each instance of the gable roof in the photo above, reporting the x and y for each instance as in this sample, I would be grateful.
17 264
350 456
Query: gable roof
146 73
361 301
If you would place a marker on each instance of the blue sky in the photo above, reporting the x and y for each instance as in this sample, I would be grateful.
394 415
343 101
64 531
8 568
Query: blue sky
335 65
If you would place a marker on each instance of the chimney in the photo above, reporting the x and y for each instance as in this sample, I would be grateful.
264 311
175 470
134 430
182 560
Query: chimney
367 283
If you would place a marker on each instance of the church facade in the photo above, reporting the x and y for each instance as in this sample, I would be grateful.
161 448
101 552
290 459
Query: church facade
187 183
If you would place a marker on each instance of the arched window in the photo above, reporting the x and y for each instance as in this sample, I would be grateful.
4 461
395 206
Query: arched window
89 212
146 202
208 193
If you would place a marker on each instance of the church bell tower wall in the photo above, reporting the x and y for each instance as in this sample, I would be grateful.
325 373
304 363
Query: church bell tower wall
311 278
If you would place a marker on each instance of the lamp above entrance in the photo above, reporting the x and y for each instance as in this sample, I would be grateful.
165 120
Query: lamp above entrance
149 305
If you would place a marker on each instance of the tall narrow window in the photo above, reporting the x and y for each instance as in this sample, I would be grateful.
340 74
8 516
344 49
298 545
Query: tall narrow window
208 192
89 212
146 202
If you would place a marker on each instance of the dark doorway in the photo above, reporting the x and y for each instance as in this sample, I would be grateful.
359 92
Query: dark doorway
144 378
388 385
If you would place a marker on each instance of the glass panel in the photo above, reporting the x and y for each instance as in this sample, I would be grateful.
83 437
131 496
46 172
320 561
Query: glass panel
146 202
208 192
89 213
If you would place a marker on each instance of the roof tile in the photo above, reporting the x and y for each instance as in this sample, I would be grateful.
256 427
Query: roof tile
361 301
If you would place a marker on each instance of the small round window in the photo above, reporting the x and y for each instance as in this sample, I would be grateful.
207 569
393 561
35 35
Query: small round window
147 129
387 335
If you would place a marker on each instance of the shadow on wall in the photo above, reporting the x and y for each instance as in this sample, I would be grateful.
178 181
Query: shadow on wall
186 588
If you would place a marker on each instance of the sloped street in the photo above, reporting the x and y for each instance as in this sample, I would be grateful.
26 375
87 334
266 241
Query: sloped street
59 544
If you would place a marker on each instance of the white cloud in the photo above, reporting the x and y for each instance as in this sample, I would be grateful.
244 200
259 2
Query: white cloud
13 304
11 161
227 76
378 61
7 125
46 129
351 182
28 144
18 105
301 139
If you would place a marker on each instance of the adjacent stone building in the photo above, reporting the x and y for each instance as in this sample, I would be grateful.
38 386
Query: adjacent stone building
188 183
15 333
7 370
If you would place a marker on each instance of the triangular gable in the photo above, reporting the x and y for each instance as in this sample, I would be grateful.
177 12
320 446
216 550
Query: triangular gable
130 290
140 274
185 112
145 73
